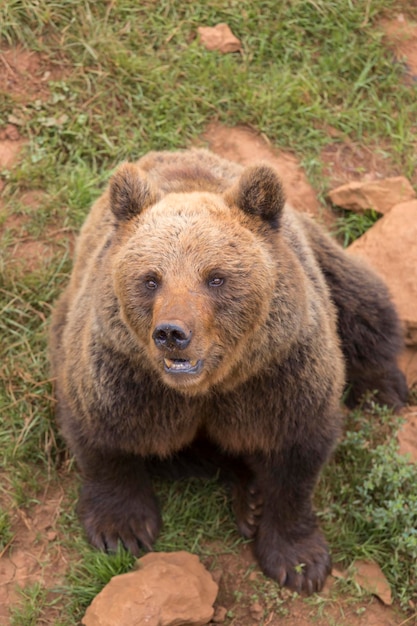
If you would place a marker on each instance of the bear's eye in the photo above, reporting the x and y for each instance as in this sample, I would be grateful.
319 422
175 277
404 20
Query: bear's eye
151 284
216 281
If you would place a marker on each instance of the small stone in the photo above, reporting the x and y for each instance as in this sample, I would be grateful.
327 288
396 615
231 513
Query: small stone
217 575
380 195
219 38
371 578
220 614
51 535
337 573
256 611
167 589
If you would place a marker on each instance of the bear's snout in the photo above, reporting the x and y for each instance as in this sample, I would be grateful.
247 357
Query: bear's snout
171 336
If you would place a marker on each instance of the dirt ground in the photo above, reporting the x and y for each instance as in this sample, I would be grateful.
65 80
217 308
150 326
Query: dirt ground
35 553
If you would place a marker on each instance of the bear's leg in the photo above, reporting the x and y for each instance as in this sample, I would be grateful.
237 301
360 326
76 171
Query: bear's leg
289 546
117 502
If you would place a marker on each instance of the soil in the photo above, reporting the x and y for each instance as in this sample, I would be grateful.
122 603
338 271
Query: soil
246 146
35 552
25 74
401 37
240 582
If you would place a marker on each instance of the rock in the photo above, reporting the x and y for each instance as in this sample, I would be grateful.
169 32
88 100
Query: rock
380 195
220 614
407 435
371 578
219 38
217 575
337 573
167 589
256 611
245 146
390 248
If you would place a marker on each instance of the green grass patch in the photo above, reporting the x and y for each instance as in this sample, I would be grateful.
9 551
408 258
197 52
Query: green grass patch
6 533
350 226
137 78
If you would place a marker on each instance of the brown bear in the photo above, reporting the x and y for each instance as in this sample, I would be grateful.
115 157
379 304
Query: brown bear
203 313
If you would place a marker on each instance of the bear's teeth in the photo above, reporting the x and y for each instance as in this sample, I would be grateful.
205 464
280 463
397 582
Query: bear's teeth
178 364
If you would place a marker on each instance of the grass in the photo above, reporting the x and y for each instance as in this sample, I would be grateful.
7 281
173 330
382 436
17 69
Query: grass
197 518
374 514
136 78
6 533
349 226
30 610
126 77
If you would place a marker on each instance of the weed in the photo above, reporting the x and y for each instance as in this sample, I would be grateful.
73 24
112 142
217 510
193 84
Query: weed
370 505
95 570
196 513
6 533
29 612
350 225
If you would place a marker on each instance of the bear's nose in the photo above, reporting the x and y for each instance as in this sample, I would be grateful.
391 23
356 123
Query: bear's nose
171 336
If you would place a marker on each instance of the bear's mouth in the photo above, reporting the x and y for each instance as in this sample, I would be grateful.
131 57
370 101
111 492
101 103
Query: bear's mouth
182 366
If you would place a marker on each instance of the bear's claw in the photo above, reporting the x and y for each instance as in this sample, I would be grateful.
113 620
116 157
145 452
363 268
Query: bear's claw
302 565
108 521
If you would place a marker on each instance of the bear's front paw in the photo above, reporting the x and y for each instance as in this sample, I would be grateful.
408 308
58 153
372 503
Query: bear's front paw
302 565
110 516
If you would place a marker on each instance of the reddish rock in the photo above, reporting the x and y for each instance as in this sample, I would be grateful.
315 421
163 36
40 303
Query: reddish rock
380 195
390 247
407 435
167 589
256 611
371 578
219 38
220 615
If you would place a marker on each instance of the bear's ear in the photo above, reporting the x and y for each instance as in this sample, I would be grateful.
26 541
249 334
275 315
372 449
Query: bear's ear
259 192
130 192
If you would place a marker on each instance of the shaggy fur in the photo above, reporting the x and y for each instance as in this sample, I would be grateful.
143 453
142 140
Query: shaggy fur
204 314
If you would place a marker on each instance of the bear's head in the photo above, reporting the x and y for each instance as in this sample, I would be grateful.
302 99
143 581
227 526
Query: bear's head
195 272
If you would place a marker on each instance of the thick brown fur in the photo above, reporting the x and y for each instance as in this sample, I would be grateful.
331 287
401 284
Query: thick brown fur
202 312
